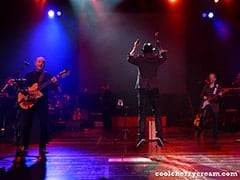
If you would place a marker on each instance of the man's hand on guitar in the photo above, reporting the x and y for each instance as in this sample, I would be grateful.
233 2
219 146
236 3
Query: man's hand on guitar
220 94
54 80
205 97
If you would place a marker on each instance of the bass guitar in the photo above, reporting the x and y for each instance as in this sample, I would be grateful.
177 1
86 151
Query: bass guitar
27 99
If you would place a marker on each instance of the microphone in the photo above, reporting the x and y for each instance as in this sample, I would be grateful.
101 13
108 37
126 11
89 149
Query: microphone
26 63
4 88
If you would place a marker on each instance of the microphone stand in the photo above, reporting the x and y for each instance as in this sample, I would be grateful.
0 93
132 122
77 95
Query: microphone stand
18 84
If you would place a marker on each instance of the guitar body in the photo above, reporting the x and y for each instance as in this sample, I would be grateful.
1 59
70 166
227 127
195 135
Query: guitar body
27 101
196 121
207 101
24 101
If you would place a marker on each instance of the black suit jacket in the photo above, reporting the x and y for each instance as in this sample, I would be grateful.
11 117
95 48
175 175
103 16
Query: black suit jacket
147 77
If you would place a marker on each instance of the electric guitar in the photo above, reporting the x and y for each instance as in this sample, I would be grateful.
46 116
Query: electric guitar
196 120
206 102
27 99
223 91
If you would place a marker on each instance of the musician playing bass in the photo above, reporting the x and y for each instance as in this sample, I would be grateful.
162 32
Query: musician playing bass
39 111
210 96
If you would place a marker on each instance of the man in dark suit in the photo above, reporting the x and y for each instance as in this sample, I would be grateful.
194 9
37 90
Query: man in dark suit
39 111
147 86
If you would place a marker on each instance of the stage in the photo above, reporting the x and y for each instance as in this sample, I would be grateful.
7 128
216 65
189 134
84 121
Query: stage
195 44
94 154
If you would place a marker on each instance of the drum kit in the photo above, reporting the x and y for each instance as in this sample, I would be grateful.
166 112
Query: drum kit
60 106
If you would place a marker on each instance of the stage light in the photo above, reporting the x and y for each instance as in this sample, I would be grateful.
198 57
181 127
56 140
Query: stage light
216 1
59 13
210 15
40 3
204 14
172 1
51 14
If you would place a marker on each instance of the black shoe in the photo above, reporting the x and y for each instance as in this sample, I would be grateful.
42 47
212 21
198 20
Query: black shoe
19 159
22 151
160 141
43 151
42 158
140 142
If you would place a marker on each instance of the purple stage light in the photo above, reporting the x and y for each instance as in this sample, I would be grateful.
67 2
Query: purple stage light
204 14
59 13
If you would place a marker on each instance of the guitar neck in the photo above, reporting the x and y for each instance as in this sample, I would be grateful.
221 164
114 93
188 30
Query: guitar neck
62 74
46 84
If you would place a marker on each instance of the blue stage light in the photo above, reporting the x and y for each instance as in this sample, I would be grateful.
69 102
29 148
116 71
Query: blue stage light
59 13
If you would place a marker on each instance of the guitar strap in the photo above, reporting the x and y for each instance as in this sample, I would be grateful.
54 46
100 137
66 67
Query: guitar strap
41 77
215 89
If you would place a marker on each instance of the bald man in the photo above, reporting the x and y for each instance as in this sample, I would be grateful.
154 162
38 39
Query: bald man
39 111
147 86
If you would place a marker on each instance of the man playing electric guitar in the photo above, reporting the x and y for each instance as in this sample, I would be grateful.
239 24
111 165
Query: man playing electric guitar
210 96
40 109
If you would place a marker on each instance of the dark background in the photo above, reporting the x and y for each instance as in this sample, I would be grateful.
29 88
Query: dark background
92 39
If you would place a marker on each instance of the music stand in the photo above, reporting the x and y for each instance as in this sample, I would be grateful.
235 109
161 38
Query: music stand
123 135
123 108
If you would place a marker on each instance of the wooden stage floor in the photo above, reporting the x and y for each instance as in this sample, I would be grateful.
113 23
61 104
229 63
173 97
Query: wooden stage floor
95 155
